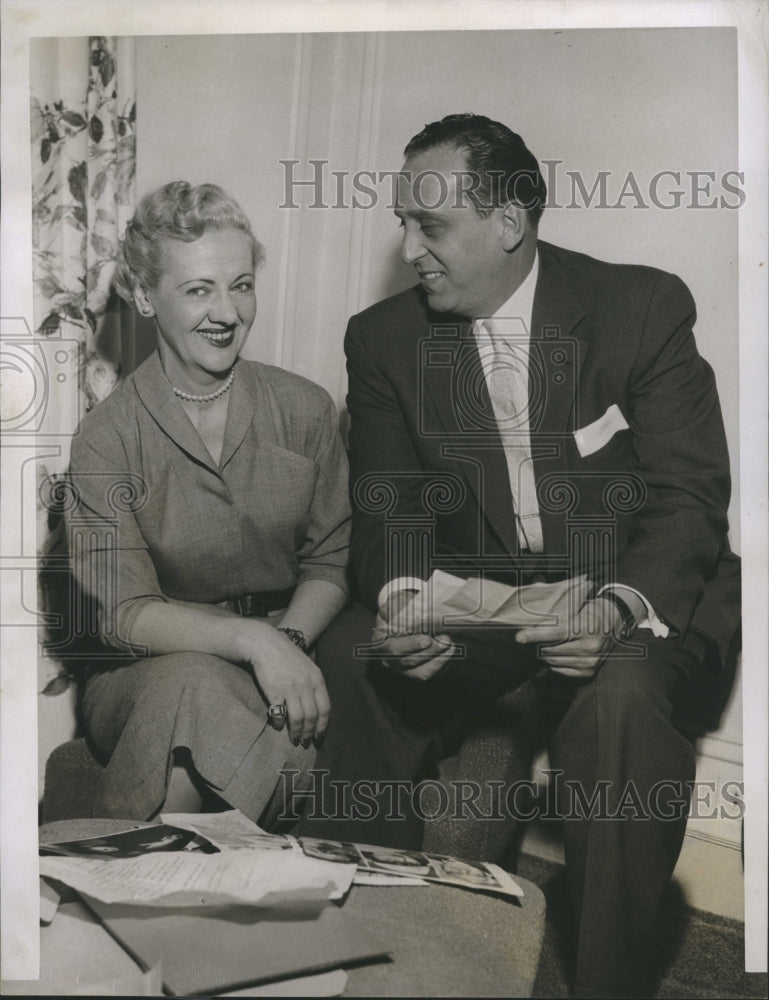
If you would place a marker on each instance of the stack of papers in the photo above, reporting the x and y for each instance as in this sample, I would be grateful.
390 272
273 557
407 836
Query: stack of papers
249 866
186 878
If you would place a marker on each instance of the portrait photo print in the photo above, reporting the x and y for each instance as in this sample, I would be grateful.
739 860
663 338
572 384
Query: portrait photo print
637 134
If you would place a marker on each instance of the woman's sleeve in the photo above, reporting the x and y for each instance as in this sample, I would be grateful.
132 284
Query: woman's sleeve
110 561
323 554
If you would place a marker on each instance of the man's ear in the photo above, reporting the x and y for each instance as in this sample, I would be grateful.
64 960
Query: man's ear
513 226
142 301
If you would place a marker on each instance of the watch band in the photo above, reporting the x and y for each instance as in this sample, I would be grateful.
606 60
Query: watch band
628 618
295 635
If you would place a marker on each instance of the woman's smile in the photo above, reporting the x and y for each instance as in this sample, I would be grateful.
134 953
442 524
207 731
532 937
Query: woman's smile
219 338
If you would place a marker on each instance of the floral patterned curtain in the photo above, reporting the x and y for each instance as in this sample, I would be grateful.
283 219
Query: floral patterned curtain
83 170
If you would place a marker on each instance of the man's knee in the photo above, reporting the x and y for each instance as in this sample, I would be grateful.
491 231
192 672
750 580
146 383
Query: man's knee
639 682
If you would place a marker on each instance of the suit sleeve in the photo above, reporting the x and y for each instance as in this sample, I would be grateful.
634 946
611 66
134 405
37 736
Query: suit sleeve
386 476
681 455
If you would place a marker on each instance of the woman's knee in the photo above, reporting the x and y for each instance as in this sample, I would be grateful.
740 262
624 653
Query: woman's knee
190 666
193 677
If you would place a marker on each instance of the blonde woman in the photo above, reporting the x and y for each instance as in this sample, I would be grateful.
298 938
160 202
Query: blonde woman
212 506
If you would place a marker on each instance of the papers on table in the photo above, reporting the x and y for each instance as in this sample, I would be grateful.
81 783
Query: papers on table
258 877
228 831
249 867
447 602
254 912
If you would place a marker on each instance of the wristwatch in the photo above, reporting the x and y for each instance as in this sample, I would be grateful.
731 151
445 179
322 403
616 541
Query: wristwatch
295 635
628 618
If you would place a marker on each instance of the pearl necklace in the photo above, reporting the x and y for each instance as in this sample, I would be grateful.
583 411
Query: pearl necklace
190 397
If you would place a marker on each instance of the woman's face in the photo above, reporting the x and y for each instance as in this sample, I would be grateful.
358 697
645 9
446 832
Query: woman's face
204 305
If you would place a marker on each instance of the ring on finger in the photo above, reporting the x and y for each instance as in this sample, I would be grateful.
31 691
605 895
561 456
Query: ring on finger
277 712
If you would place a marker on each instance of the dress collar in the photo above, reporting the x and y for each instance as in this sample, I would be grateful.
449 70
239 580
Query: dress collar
167 411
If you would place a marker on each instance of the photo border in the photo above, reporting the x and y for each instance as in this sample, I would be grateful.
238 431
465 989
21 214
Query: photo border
23 19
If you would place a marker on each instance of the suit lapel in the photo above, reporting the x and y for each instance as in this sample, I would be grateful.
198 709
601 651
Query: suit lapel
456 390
456 393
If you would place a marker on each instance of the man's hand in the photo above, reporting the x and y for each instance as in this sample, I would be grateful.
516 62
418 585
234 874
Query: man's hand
577 646
406 645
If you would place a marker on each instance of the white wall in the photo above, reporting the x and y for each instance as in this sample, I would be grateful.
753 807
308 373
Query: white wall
229 108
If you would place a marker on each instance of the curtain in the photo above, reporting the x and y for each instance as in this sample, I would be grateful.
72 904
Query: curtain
83 115
83 181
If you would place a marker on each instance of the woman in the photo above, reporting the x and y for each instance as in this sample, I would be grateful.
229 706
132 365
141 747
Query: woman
212 506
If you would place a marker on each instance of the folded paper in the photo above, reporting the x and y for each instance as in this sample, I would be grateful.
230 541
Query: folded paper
447 601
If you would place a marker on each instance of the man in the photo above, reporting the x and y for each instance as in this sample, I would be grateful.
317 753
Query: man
528 414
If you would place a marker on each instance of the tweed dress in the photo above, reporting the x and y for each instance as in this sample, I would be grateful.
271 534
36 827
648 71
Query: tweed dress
154 518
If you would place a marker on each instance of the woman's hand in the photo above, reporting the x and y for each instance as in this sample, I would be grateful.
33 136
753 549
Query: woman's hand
283 671
280 668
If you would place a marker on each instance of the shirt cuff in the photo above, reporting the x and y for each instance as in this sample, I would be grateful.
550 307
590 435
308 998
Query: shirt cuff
652 620
412 583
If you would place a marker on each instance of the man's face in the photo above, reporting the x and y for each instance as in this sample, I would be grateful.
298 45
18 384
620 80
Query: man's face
457 253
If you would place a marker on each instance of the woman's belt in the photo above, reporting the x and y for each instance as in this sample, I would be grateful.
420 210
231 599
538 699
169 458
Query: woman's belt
260 605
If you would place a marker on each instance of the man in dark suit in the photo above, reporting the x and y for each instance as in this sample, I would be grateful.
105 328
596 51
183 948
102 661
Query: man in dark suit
528 414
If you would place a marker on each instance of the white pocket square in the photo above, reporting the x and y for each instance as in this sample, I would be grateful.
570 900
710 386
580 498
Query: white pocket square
594 436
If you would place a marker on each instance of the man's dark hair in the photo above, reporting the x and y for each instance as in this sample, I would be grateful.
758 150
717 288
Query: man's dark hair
501 166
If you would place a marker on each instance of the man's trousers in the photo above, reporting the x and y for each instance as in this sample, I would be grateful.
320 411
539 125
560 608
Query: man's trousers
621 772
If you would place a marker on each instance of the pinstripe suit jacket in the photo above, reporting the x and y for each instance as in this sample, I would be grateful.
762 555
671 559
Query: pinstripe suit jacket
647 508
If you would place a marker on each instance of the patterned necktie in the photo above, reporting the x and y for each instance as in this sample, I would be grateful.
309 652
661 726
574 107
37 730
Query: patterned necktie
507 377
